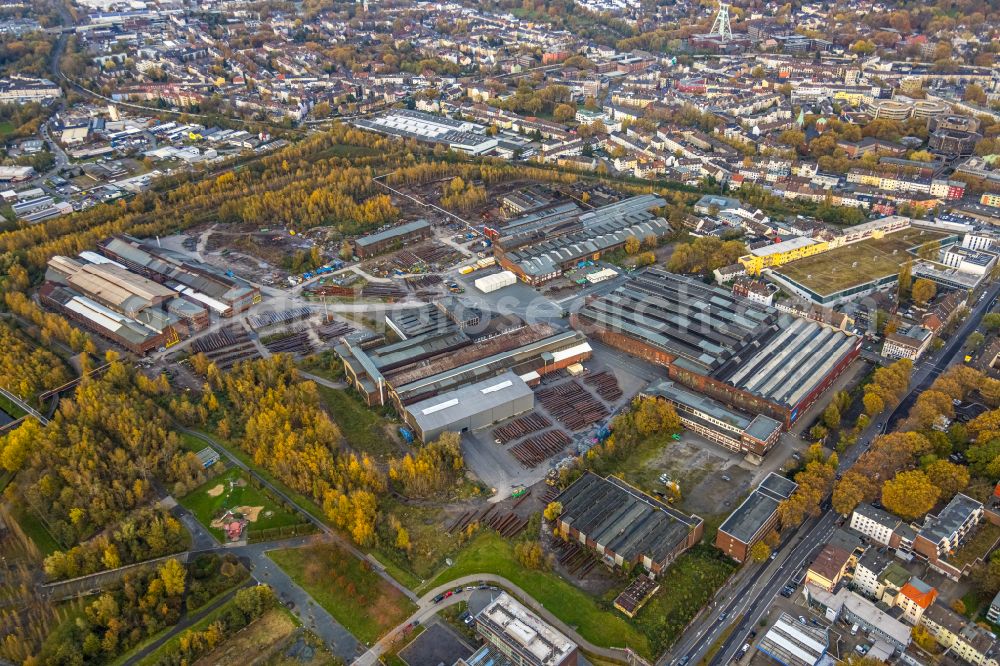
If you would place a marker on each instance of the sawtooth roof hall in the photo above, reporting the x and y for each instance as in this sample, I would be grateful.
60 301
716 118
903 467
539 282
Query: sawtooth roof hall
748 355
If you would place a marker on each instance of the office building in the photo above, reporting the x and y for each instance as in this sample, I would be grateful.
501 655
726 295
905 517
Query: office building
754 518
518 637
713 420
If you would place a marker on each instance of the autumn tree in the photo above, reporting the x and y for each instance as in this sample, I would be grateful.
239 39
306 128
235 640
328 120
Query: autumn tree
760 551
552 511
890 383
530 555
852 489
985 427
815 482
930 406
703 255
831 416
632 245
923 290
923 638
655 416
432 469
910 494
873 403
948 477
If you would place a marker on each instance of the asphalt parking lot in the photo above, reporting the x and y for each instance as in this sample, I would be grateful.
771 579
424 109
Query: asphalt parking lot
519 299
438 644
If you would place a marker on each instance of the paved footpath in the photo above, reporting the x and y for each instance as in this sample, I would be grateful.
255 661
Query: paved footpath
426 608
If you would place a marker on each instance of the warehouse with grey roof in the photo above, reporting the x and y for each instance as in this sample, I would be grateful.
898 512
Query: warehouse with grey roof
747 355
624 524
470 407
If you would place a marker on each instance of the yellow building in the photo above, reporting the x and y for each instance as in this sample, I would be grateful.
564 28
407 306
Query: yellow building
990 199
852 97
781 253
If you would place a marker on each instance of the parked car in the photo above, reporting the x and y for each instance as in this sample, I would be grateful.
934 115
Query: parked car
438 598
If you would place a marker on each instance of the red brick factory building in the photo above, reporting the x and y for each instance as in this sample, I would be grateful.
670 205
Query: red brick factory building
747 355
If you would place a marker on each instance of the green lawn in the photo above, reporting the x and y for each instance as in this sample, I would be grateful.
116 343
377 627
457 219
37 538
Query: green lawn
6 127
12 408
978 546
857 263
363 429
36 531
490 553
236 491
191 443
357 597
687 586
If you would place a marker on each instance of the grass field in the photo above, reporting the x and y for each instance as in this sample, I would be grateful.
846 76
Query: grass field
6 127
489 553
362 427
431 543
11 408
206 502
262 638
191 443
347 588
687 586
857 263
36 531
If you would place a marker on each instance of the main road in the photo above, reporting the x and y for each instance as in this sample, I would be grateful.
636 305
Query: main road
747 596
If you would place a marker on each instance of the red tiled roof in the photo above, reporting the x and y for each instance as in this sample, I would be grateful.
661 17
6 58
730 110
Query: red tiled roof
922 599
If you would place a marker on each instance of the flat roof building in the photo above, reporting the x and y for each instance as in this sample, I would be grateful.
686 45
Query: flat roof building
791 643
521 637
717 422
623 524
854 609
754 518
471 407
459 135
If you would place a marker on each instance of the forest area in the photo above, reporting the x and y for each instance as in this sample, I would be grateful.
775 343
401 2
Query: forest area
266 410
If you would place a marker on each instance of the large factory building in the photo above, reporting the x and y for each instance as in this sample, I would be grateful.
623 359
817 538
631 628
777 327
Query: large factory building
747 355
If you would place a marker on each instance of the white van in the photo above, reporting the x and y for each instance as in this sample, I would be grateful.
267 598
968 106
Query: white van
854 630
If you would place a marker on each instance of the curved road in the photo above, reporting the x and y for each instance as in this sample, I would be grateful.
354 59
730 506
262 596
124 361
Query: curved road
426 608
